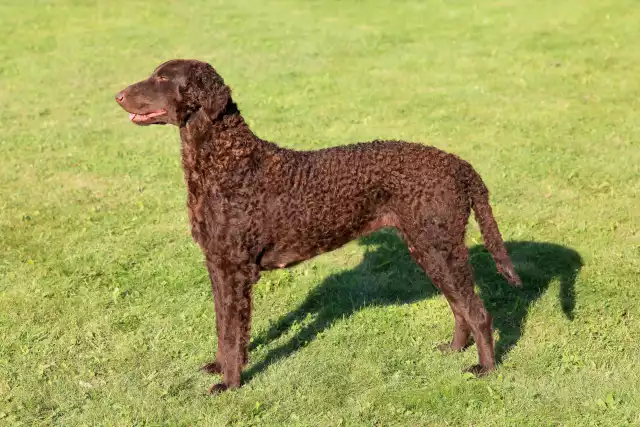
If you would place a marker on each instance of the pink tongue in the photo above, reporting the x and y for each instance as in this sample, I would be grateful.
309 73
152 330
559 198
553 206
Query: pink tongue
131 116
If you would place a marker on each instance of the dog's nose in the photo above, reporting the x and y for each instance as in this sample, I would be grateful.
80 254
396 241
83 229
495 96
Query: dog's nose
119 97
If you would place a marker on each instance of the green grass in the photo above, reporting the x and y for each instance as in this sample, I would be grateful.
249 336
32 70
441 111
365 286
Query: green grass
105 306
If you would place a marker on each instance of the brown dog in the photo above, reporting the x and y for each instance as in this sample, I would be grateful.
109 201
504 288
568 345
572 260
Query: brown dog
255 206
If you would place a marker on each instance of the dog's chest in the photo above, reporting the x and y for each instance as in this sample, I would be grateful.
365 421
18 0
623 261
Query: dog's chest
217 212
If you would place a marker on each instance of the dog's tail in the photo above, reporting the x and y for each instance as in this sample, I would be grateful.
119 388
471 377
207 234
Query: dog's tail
479 195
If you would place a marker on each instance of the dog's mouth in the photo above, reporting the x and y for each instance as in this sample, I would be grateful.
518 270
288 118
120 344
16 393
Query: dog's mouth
154 117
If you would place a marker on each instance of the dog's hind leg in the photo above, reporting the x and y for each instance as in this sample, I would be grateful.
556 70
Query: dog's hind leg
446 262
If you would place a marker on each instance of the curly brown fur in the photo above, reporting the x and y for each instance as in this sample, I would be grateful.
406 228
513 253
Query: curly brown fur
255 206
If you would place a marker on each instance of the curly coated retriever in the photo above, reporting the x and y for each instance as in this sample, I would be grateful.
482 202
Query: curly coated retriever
255 206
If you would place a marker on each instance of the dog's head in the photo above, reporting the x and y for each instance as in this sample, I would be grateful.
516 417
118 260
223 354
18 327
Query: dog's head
174 91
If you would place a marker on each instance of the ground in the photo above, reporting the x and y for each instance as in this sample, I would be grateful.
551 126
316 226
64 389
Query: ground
105 306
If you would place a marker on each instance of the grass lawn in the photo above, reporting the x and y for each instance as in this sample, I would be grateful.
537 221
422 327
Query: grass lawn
105 305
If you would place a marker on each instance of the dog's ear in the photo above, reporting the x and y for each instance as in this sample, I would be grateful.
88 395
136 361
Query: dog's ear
206 89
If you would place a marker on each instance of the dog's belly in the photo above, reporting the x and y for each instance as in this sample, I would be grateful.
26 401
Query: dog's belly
293 249
276 257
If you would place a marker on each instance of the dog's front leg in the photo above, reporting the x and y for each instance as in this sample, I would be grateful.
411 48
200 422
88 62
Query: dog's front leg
232 284
215 367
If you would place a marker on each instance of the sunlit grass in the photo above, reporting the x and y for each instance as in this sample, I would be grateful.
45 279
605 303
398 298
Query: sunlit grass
105 306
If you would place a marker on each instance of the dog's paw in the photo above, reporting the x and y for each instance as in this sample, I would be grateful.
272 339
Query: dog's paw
217 388
447 348
211 368
478 370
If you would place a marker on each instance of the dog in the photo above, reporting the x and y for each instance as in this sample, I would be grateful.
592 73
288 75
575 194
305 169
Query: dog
255 206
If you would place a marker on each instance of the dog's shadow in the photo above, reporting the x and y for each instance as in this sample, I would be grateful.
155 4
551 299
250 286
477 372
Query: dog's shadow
388 275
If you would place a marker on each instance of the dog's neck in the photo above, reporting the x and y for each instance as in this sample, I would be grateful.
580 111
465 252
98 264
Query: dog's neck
217 135
223 148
